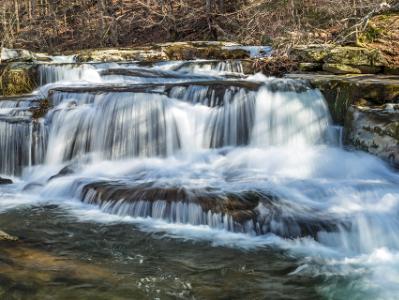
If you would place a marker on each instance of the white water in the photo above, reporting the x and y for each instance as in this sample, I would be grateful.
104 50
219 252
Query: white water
339 208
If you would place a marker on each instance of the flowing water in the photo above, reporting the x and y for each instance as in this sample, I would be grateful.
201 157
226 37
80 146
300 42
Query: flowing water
189 180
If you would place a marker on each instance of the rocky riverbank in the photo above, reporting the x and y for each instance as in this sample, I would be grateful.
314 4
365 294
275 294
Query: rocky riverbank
361 84
360 81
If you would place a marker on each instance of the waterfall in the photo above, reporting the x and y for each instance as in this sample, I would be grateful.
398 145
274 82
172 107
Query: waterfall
230 66
119 125
22 144
50 73
291 118
254 159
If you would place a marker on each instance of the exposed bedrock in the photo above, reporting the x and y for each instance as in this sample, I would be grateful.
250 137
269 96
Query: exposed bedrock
374 129
367 107
248 211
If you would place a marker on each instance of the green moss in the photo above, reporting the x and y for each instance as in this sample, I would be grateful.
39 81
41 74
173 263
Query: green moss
371 34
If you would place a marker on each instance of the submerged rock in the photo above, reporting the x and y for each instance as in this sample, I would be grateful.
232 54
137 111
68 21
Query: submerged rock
247 211
67 170
374 129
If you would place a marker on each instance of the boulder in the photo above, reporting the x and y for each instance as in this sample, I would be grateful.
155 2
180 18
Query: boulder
12 55
375 130
356 56
310 53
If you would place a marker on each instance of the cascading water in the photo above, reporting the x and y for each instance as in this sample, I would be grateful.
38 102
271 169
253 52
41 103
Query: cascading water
49 73
244 163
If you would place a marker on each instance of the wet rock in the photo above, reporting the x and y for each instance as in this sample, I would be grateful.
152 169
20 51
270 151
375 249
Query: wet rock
5 181
6 237
246 211
341 91
146 73
32 186
154 87
68 170
374 129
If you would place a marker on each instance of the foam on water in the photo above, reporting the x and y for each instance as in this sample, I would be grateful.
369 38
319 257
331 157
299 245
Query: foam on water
334 210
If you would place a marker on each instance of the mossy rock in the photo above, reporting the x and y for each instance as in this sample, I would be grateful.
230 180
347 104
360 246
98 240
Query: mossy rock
18 78
356 56
187 51
341 69
347 69
310 67
310 53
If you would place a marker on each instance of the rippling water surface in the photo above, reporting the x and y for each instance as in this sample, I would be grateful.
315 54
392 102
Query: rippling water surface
189 180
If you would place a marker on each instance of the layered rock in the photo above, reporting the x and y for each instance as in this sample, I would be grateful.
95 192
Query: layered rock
375 50
375 130
366 105
341 91
248 211
168 51
339 59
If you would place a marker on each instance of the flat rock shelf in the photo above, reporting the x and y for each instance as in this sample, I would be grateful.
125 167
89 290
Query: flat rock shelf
188 179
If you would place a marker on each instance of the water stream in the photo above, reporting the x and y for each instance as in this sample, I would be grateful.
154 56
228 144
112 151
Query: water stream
189 180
